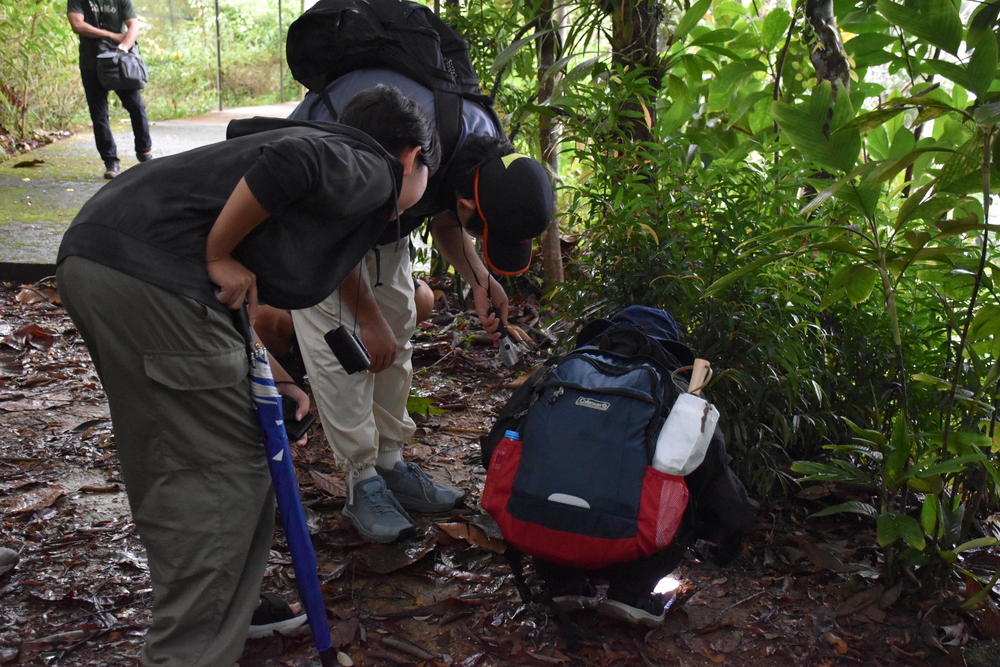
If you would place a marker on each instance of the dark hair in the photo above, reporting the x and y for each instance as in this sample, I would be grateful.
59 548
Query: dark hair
460 173
395 121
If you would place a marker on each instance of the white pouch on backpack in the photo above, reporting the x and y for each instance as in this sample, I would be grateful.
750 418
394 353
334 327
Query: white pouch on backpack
687 431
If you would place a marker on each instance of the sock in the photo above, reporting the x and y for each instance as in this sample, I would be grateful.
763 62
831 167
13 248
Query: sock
387 459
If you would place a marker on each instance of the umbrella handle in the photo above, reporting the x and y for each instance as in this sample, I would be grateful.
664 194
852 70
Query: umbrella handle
241 320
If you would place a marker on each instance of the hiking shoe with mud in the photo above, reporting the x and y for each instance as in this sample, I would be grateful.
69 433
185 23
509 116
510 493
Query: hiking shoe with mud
416 492
112 168
376 513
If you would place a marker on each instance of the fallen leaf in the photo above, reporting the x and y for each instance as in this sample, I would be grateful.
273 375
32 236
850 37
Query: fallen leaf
334 487
36 499
474 535
345 631
344 659
838 644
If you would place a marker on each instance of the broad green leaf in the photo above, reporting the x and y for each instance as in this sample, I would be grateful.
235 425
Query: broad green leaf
929 514
898 454
422 405
963 161
937 22
982 66
774 27
853 506
951 71
507 54
887 529
715 37
933 484
838 471
910 531
917 240
725 281
690 19
818 200
957 464
876 437
986 323
867 122
857 281
977 543
988 114
938 383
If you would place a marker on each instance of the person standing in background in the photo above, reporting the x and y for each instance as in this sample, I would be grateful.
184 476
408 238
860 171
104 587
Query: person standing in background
114 20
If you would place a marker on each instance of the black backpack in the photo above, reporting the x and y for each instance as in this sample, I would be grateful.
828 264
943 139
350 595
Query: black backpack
336 37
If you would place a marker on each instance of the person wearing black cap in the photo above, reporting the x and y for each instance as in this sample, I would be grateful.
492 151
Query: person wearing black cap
484 189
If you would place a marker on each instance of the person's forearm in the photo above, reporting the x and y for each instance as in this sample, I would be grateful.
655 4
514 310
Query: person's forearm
458 250
131 33
241 214
358 297
84 29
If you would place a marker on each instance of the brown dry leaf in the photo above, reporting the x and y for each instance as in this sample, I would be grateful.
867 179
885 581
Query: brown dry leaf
859 601
838 644
517 333
334 487
35 336
29 295
36 499
345 631
521 379
714 657
386 558
989 623
474 535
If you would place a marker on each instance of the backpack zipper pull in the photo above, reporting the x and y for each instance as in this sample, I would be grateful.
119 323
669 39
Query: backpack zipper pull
556 394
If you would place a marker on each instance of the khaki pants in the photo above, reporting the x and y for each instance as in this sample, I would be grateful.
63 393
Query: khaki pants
363 413
175 373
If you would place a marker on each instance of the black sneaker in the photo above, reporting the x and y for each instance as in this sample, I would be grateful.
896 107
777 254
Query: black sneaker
143 157
273 615
112 168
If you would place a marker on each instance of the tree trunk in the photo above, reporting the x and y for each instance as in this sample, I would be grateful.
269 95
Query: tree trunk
548 140
826 50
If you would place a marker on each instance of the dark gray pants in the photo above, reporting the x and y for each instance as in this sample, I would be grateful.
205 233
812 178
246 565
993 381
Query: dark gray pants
175 373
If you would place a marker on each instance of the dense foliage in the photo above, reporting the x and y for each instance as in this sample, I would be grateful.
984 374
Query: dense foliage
39 80
807 188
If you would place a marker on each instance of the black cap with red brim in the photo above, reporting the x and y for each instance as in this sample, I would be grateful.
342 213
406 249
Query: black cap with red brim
515 200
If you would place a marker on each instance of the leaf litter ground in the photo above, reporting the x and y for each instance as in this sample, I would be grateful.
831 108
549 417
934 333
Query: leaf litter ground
804 592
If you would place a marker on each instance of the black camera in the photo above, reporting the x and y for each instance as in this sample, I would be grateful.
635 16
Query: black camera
348 349
294 427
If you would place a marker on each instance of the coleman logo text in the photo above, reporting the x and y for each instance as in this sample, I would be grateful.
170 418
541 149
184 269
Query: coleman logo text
593 404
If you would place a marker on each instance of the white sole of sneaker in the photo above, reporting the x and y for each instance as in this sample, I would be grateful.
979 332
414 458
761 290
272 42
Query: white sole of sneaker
258 631
571 603
632 615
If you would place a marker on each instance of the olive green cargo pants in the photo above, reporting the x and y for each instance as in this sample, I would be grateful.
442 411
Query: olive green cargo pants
175 373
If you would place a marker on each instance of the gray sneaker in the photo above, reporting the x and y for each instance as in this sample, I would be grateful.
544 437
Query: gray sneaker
376 513
416 492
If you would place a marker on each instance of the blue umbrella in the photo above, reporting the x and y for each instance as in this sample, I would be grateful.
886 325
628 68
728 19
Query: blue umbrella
267 405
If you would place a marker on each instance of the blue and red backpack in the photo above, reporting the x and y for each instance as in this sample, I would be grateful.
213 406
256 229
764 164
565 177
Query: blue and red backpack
569 478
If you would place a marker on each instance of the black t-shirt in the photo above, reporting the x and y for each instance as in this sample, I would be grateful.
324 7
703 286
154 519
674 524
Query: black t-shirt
330 194
106 14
